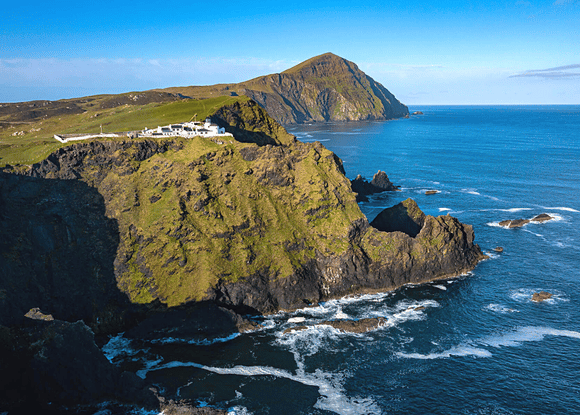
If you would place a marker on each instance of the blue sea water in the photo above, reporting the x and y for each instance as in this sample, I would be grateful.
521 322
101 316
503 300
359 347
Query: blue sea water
479 345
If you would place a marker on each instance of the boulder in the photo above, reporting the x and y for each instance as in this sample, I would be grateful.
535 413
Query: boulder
431 192
498 249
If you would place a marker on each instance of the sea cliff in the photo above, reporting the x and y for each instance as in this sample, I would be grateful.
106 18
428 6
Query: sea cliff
119 232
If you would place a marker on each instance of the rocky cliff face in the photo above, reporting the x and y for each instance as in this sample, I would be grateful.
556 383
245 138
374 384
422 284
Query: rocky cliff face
324 88
256 226
184 231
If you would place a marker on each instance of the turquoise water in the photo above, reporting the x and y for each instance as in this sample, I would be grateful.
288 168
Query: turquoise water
480 345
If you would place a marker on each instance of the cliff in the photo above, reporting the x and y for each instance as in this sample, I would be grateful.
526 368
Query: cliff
177 236
257 225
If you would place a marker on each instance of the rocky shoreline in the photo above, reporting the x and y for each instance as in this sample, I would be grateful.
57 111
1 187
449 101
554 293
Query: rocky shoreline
161 238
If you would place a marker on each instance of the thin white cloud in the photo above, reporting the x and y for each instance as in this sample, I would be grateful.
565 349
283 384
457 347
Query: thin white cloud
558 72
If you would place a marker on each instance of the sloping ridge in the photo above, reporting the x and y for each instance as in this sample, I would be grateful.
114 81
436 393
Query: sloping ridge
324 88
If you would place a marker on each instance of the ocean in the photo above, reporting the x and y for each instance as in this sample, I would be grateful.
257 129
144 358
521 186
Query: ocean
477 344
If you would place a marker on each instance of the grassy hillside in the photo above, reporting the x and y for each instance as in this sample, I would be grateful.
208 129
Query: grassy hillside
35 141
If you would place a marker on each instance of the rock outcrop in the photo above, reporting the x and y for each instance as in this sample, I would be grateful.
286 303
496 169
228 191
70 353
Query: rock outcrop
518 223
379 183
46 364
541 296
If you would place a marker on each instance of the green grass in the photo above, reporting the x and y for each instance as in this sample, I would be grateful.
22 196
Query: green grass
38 141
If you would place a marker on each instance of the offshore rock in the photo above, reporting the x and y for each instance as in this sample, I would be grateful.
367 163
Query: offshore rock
379 183
541 296
356 326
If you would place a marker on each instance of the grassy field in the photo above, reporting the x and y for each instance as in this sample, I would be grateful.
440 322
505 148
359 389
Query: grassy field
30 142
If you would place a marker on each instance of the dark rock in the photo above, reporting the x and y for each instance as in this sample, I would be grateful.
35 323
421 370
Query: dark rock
59 362
356 326
541 296
431 192
498 249
417 113
543 217
516 223
405 217
379 183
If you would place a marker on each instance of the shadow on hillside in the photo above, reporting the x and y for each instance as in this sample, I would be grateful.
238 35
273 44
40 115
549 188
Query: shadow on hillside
57 251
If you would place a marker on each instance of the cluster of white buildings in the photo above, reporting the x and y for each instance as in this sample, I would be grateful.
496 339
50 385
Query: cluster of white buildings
185 129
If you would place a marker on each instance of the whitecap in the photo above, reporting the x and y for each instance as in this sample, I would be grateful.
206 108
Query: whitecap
444 209
471 192
497 308
512 339
332 396
514 209
441 287
296 320
239 410
567 209
340 315
196 342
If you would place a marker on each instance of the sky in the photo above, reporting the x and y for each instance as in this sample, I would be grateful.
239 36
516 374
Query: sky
424 52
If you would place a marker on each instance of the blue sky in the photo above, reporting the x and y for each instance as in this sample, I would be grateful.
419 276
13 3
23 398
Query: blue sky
445 52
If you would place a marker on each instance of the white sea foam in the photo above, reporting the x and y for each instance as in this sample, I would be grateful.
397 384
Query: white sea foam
296 320
441 287
567 209
197 342
444 209
498 308
340 315
239 410
478 348
332 397
118 346
525 295
471 192
513 209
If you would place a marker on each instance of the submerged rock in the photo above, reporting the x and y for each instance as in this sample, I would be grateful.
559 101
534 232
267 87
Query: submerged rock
431 192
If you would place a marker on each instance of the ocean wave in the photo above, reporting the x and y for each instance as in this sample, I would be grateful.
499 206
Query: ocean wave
567 209
332 396
202 342
478 348
497 308
513 209
441 287
444 209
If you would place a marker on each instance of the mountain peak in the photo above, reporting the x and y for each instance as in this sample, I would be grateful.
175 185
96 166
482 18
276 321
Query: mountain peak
328 58
323 88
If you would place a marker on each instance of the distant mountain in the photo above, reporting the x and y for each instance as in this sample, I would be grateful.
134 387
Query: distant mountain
323 88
